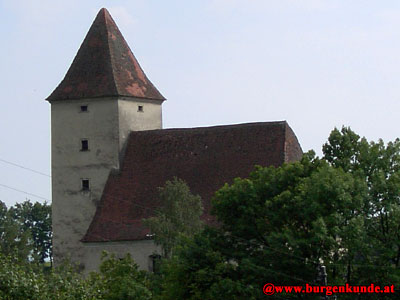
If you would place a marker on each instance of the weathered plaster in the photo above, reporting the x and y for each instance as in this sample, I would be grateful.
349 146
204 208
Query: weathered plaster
106 125
131 119
140 251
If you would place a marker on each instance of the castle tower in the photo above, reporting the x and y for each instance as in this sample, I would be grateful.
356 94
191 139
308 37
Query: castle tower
104 95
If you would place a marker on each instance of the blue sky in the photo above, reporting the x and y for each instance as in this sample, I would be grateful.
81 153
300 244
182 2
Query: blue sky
315 63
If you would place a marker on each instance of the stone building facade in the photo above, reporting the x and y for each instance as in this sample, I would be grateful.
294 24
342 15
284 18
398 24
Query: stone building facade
110 153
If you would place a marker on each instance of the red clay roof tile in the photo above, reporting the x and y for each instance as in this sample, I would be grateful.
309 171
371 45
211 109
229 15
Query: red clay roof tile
206 158
104 67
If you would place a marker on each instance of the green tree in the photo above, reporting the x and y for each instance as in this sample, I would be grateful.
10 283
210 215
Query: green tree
281 223
276 226
24 281
14 240
35 218
18 282
120 279
375 252
203 269
179 215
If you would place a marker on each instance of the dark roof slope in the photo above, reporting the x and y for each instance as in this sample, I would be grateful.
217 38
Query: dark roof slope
206 158
105 66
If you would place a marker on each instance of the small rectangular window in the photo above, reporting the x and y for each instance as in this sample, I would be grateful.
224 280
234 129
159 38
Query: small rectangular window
140 108
84 108
84 145
155 262
85 185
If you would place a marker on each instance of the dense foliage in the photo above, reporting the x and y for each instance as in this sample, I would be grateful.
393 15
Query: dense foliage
25 231
116 280
279 225
373 253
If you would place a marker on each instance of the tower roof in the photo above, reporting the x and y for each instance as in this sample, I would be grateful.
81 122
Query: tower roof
105 66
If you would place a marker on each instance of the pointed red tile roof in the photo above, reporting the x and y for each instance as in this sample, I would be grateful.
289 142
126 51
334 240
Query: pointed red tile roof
105 66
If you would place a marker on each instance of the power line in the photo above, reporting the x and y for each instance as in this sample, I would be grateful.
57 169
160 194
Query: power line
24 192
25 168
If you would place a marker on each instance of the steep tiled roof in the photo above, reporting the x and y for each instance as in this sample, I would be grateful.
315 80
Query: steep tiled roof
105 66
206 158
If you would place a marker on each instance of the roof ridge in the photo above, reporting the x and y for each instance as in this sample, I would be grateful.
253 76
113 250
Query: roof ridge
214 127
105 11
205 163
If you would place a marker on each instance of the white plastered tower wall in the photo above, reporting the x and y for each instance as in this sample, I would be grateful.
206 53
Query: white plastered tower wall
137 114
104 96
106 126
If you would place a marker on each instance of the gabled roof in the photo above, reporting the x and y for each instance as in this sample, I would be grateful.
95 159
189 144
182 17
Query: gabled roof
206 158
105 66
